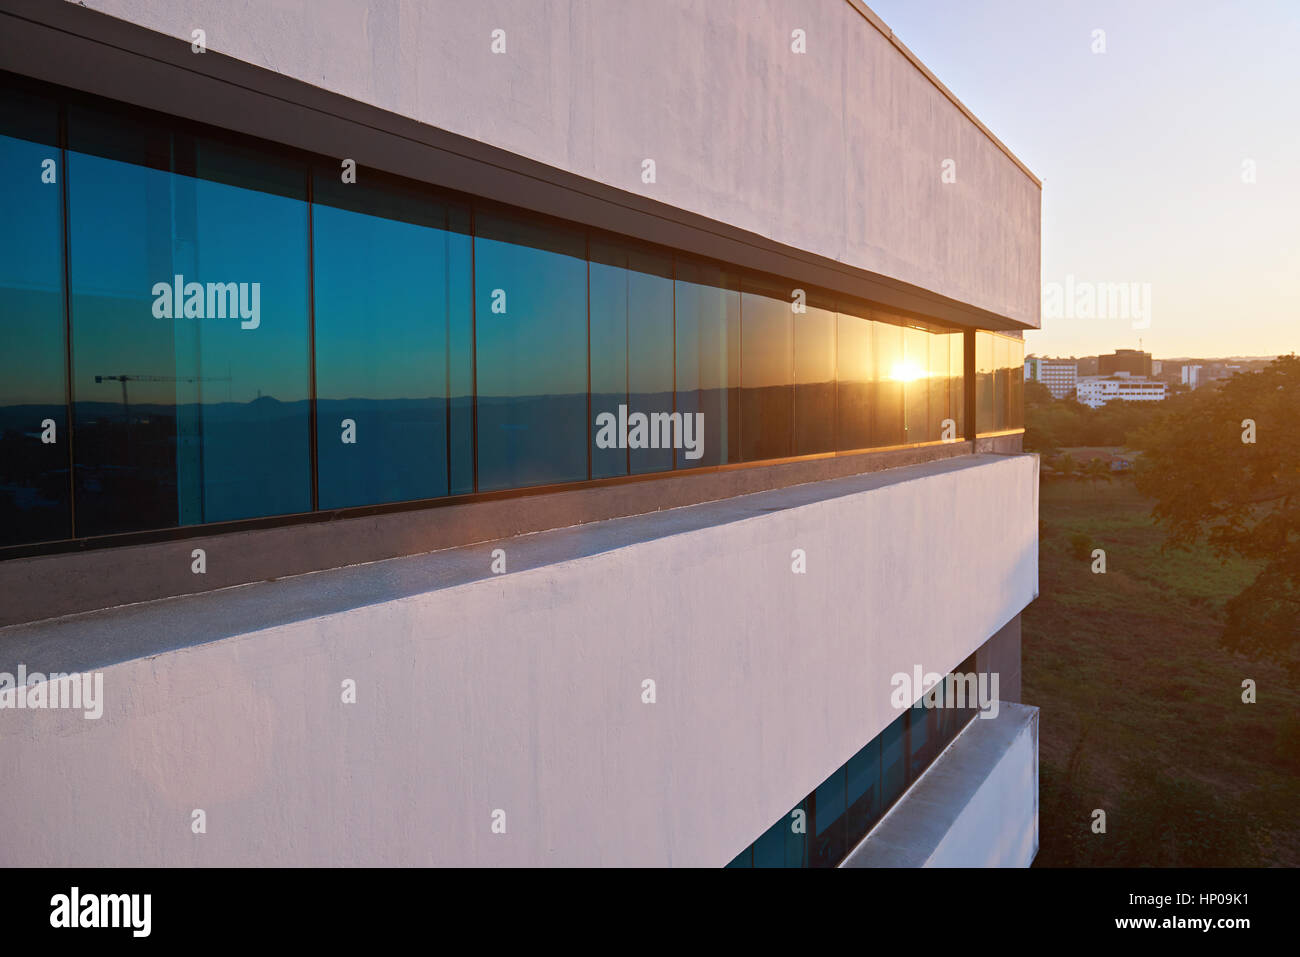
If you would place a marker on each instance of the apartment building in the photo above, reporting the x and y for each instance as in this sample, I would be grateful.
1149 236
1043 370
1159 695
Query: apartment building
509 434
1096 391
1059 375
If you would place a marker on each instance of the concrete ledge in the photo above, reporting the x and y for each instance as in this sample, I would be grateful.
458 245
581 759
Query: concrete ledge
48 586
976 806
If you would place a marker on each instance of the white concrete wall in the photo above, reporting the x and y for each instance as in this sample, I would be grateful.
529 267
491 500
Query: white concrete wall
523 692
837 151
998 827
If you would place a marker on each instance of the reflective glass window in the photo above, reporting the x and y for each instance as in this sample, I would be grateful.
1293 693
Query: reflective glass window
34 436
189 308
855 382
782 845
631 359
766 374
708 361
530 289
892 373
392 299
814 380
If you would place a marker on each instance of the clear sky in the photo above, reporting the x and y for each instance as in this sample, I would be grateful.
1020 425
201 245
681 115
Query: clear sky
1141 152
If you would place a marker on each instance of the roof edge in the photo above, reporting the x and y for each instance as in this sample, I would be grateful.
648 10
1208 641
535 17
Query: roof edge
874 19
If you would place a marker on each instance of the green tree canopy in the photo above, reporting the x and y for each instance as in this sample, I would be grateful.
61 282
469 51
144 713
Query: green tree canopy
1213 484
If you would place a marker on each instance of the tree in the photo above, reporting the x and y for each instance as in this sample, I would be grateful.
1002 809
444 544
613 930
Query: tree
1096 470
1066 465
1223 467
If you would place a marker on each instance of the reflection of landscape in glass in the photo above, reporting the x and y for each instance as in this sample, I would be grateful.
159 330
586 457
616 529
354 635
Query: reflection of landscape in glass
999 382
181 421
33 473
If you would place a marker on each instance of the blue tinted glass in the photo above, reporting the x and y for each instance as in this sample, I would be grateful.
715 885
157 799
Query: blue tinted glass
785 843
814 377
389 293
708 361
766 375
744 859
631 360
189 328
893 760
34 438
920 739
855 382
530 288
862 788
828 847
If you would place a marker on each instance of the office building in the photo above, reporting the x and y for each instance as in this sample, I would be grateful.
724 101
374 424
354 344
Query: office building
510 434
1059 375
1096 391
1133 361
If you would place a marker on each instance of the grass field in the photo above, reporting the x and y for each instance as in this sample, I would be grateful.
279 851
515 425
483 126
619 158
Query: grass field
1142 713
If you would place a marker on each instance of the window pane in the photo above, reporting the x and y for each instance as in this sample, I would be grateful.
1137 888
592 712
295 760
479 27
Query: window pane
863 791
921 723
940 385
855 382
1001 381
957 391
34 439
780 845
915 375
189 333
631 357
985 414
891 373
530 282
766 374
893 760
814 377
1016 383
708 361
392 281
828 822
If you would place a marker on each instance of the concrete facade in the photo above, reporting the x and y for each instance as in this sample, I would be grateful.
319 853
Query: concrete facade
523 692
976 806
839 151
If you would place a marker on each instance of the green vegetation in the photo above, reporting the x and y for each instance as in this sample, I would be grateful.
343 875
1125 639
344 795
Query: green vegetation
1142 712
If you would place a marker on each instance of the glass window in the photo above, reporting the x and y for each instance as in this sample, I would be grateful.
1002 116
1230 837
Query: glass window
1016 384
985 412
530 288
828 822
940 385
854 383
766 374
631 359
392 297
34 437
957 391
893 760
891 375
814 381
785 843
921 727
862 787
1001 382
708 361
915 375
189 329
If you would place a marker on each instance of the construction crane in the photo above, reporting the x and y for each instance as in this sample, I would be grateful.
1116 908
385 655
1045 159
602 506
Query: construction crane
124 379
